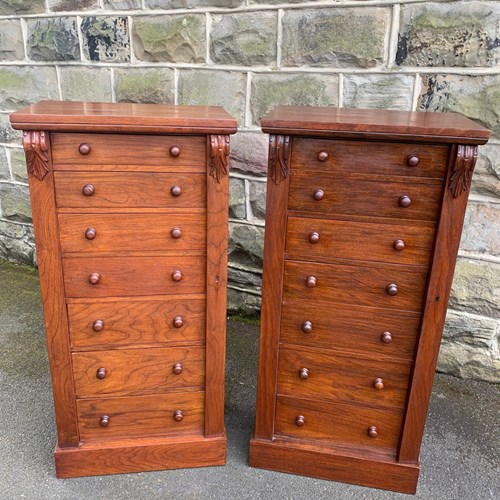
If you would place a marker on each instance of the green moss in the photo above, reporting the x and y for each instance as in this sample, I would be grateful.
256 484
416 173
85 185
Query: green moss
433 19
253 319
11 80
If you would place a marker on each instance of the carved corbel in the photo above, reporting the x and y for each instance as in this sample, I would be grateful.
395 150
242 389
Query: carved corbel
279 155
219 156
463 167
36 151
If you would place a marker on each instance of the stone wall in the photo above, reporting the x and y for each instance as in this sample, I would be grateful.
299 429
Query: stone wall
248 56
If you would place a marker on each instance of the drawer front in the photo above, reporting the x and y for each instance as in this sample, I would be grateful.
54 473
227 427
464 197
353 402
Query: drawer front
134 371
161 415
333 376
327 240
362 330
338 424
330 194
94 233
129 190
360 285
132 323
354 157
131 276
122 149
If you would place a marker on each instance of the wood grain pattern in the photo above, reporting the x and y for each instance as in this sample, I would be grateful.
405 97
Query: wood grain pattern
141 233
141 416
352 195
138 371
133 276
378 158
350 328
341 423
129 150
337 376
137 323
358 241
130 190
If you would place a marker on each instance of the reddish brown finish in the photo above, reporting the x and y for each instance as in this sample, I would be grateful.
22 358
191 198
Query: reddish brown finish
138 224
353 307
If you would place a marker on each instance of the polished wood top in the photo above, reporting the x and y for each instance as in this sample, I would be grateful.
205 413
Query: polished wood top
123 117
374 124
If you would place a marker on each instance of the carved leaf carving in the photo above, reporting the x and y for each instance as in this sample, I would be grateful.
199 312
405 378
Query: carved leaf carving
279 154
219 156
462 169
36 147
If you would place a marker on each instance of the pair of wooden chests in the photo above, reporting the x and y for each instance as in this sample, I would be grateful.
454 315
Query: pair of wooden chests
364 216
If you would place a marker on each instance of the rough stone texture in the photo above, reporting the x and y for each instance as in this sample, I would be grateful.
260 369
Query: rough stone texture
306 90
9 7
246 244
486 179
144 85
258 199
17 243
481 232
7 133
244 39
4 167
15 202
53 39
178 38
476 287
86 84
237 208
214 88
190 4
242 302
106 39
72 5
11 40
447 34
18 164
379 91
335 37
122 4
249 153
477 97
21 85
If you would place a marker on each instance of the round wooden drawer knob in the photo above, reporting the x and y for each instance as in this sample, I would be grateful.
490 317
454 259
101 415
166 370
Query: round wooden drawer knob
84 149
304 373
372 431
319 194
307 327
98 325
101 373
90 233
88 190
392 289
386 337
94 278
178 322
178 415
378 383
104 422
176 233
322 156
311 282
300 421
413 160
177 369
314 237
399 245
174 151
176 190
405 201
177 275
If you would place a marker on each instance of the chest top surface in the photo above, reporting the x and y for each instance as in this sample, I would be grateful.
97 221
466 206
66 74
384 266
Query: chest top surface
374 124
123 117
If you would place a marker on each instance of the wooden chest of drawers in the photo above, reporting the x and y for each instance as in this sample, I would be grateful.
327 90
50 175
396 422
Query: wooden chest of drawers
364 216
130 213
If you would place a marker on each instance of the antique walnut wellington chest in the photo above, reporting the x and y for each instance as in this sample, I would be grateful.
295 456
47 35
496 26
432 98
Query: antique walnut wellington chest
130 213
364 216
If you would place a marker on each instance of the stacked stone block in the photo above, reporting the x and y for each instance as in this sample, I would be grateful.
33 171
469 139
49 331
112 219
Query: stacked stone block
248 56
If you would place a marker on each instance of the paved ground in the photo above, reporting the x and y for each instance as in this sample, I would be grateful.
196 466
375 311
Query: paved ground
460 454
